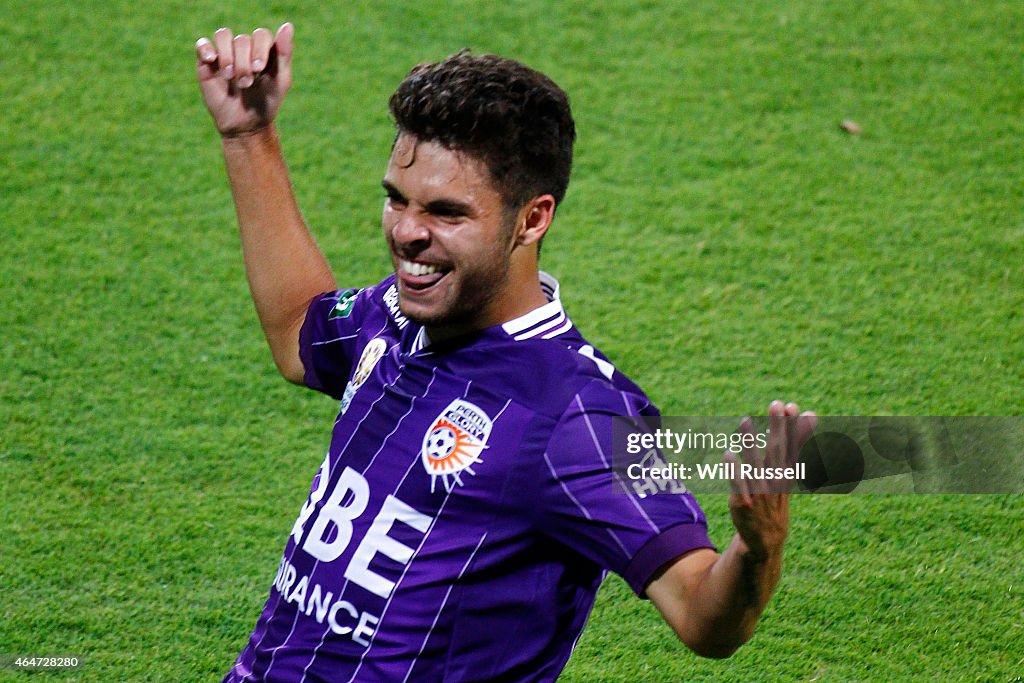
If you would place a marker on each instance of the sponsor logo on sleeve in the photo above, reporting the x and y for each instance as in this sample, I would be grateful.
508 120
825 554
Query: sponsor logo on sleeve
454 442
391 301
372 354
343 308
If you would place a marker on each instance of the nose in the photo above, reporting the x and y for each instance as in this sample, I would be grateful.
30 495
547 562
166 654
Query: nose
409 233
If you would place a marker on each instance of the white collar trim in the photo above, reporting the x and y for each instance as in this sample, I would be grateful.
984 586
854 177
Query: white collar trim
420 341
543 318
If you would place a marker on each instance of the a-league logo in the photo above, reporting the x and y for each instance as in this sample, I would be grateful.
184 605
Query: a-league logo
373 352
453 443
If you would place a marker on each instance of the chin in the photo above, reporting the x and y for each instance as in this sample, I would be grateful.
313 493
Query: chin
425 315
431 310
452 305
435 316
429 318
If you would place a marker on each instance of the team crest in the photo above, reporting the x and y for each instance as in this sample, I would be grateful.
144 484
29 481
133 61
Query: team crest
454 442
373 352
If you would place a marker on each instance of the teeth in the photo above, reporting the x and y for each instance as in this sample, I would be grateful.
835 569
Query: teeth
417 268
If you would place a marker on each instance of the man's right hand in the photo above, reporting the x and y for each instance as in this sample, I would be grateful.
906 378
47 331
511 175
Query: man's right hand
244 78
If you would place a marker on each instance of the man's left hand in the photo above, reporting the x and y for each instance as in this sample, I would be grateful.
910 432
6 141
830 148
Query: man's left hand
759 505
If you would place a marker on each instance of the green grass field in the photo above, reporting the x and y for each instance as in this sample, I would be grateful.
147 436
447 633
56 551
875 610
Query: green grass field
723 241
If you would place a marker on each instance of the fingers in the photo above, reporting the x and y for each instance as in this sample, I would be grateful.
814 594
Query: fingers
223 43
205 52
751 453
789 455
206 58
243 60
788 431
740 486
262 40
778 441
805 425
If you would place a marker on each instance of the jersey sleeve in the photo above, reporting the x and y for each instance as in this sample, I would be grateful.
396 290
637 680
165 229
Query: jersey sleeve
329 337
622 532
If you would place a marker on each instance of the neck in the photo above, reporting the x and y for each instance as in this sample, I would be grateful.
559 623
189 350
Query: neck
521 295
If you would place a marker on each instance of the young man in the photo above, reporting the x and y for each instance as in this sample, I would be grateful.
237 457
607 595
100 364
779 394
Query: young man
464 516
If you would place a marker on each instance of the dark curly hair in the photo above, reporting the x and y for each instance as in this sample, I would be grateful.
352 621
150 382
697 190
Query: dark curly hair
514 119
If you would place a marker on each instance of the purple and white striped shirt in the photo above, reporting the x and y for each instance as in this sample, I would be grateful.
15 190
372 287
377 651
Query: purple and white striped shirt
464 516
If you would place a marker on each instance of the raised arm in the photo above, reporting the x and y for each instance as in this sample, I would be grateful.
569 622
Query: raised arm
712 601
243 80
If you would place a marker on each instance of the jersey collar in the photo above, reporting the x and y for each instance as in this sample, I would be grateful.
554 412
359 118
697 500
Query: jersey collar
545 321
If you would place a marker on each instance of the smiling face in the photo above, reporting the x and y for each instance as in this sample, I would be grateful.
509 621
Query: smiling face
461 262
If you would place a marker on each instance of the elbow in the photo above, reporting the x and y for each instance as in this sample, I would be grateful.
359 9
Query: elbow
297 380
292 374
284 348
283 340
713 648
290 367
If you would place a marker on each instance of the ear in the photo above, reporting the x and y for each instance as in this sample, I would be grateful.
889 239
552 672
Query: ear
534 219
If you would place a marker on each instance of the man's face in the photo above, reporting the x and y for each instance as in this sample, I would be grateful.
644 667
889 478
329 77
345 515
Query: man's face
449 238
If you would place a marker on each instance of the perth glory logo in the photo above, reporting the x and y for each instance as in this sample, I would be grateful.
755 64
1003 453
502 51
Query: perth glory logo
454 442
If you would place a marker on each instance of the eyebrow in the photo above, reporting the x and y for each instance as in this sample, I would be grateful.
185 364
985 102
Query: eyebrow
449 207
440 207
391 190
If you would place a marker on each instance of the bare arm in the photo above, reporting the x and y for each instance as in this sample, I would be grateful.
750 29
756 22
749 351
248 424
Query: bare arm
712 601
284 265
243 80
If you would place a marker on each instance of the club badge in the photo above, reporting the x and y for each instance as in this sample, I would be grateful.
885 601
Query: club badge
454 442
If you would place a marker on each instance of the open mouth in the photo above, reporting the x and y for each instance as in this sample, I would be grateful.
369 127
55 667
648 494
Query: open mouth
419 277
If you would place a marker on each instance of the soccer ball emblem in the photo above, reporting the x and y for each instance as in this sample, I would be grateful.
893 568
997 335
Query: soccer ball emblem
454 442
441 443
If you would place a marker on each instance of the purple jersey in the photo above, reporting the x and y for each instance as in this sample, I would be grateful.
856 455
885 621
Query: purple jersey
464 516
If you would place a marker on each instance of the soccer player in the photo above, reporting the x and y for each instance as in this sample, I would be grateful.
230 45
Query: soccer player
464 516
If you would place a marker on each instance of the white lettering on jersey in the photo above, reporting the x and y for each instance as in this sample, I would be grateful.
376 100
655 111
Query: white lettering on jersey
320 604
353 490
285 579
298 596
391 301
316 544
363 628
332 618
377 541
316 494
343 617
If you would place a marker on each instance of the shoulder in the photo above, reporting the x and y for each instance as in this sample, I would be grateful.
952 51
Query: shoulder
355 306
381 298
338 328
